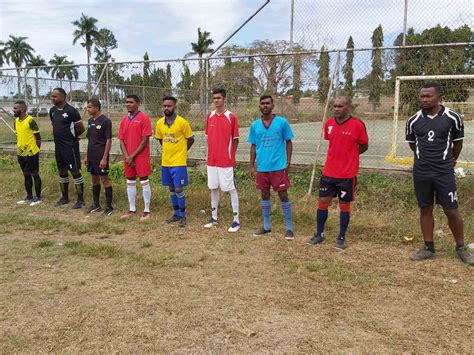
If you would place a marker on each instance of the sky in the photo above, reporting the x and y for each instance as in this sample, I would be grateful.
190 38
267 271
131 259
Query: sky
165 29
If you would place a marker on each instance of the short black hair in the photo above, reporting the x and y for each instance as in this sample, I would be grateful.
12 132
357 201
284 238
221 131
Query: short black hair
134 97
219 90
62 91
169 97
21 103
94 102
434 85
263 97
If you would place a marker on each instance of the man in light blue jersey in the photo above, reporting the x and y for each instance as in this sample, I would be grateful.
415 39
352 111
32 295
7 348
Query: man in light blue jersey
270 137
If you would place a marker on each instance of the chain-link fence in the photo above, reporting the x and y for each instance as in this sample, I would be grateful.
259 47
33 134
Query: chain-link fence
299 82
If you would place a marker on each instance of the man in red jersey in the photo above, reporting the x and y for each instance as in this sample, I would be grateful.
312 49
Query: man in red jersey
134 135
222 131
348 139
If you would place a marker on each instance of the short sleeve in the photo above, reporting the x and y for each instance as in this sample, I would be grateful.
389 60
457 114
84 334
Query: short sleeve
188 132
235 127
362 138
207 124
287 131
76 117
410 136
108 128
146 126
458 127
121 132
34 126
251 137
158 133
326 130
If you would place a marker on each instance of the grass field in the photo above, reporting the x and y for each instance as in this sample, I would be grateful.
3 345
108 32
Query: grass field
76 283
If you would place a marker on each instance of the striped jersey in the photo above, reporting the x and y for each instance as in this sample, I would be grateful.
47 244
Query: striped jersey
433 137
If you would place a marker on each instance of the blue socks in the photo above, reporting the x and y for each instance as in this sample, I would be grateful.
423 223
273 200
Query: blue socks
321 218
174 203
344 223
181 197
286 206
266 204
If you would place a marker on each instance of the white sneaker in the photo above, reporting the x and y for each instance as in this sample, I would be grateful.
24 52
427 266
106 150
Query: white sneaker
234 227
25 200
35 201
212 223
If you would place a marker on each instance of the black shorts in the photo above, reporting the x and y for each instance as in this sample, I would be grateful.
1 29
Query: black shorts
68 157
343 188
29 164
443 187
93 168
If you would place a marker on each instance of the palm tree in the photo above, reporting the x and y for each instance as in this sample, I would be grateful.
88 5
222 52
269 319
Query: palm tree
38 63
3 54
18 52
87 31
59 69
201 47
71 73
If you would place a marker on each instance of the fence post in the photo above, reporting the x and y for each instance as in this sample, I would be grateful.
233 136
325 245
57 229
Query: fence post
107 88
393 150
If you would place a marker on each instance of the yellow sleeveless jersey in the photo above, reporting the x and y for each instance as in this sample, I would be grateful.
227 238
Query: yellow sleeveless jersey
26 140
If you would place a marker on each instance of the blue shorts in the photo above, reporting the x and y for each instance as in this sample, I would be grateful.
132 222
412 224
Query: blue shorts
176 176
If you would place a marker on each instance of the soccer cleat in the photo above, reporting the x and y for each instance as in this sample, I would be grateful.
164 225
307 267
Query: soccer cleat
78 205
93 208
182 222
422 254
212 222
174 218
145 216
235 226
289 235
62 201
128 214
465 255
340 244
25 200
261 232
35 201
316 239
107 212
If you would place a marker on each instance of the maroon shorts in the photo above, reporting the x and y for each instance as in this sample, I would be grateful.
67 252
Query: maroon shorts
141 168
278 180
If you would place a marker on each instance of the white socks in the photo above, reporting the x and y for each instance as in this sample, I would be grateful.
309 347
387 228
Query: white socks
214 203
146 189
234 199
132 193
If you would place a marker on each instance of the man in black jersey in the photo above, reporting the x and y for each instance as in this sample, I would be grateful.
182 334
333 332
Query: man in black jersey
435 134
67 127
99 135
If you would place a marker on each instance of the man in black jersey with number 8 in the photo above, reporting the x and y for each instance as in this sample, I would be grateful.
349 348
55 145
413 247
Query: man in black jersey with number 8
435 134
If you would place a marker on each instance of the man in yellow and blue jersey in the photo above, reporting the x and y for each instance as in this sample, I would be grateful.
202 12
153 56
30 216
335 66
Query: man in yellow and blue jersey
176 137
28 148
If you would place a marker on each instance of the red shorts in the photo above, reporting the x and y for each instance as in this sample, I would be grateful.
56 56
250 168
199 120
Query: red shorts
141 168
278 180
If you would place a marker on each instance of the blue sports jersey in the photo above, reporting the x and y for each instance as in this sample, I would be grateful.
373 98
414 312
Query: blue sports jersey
270 143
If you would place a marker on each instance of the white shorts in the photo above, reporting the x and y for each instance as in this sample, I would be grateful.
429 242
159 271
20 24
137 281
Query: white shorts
222 178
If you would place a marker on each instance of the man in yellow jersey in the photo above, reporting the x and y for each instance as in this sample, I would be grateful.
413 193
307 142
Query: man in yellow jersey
28 146
176 137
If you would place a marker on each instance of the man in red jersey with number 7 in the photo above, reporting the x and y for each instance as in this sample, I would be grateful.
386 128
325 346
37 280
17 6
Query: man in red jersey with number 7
348 139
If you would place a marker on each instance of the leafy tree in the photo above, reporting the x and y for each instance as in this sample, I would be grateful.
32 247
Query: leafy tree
87 31
348 70
62 68
376 75
434 61
323 75
18 51
38 63
104 44
146 69
168 83
3 54
199 48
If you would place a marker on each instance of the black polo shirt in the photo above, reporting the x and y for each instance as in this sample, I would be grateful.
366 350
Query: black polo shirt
98 131
434 137
63 121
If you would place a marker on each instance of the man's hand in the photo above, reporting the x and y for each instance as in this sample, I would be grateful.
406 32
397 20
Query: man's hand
287 169
252 171
129 161
103 164
85 162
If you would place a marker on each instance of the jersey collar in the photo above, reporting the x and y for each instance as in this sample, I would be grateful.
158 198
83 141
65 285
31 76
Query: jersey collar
440 112
174 119
130 118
